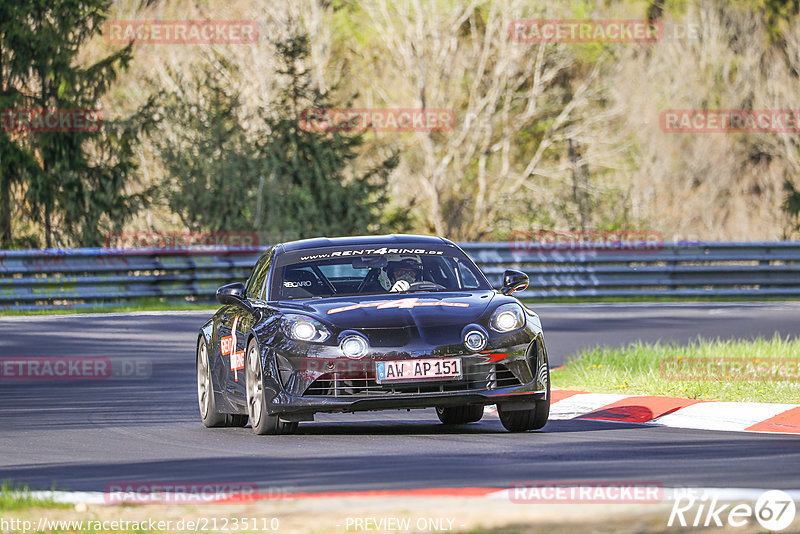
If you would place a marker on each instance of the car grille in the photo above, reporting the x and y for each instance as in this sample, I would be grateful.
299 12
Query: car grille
479 378
387 337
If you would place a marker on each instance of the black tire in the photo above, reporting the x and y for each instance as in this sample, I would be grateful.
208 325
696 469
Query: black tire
523 420
238 420
459 415
261 422
205 394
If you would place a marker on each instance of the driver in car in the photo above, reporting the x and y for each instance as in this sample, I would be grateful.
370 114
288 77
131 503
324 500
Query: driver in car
403 273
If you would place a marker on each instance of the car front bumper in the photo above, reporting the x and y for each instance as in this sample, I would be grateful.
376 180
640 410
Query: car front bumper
290 405
514 372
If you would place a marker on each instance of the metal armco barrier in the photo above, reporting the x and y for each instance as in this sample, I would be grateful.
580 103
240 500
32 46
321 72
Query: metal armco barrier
52 278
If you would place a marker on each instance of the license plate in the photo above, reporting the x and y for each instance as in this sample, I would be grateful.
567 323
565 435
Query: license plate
423 369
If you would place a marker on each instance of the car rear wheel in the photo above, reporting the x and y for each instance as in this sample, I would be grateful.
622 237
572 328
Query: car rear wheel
260 420
205 394
459 415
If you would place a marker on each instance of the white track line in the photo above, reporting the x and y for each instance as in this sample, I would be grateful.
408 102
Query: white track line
735 416
582 404
670 494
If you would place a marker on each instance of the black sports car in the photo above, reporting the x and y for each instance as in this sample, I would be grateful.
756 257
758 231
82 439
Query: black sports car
371 323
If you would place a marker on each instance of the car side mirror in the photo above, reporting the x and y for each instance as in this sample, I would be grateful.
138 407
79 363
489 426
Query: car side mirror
514 281
233 294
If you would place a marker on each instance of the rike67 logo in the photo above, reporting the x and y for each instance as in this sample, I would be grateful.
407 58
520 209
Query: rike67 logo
774 510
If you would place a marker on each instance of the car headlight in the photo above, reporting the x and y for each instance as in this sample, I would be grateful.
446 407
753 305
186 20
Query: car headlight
475 340
354 346
507 317
304 328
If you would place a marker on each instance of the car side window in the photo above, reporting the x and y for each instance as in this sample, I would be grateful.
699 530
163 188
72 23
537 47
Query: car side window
468 280
255 284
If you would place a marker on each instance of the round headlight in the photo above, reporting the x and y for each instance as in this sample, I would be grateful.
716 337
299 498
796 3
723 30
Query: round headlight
304 328
508 317
354 346
506 320
304 331
475 340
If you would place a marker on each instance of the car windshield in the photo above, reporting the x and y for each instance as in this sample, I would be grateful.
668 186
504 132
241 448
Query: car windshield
374 270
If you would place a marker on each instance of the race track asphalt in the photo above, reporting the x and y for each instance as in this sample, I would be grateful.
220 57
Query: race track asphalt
87 435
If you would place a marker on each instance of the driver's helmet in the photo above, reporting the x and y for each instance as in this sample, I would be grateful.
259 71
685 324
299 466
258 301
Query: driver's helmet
408 269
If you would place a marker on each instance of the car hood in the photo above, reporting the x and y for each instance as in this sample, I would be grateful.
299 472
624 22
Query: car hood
421 310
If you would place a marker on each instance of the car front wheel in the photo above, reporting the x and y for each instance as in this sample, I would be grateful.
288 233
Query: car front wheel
531 419
522 420
260 420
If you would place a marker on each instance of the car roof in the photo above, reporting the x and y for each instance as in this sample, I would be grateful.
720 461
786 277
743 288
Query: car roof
392 239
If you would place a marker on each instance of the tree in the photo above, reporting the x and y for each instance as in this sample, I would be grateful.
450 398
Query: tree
75 183
516 105
212 164
273 177
15 158
791 205
316 190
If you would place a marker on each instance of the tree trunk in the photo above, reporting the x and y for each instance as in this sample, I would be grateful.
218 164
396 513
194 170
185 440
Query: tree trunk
48 229
5 182
5 211
580 184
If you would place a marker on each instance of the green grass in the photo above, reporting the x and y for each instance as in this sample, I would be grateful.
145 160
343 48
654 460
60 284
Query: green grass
144 304
727 370
15 497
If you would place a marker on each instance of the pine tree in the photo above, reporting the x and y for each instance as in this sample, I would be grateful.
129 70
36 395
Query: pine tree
15 157
75 184
791 206
279 180
213 169
314 189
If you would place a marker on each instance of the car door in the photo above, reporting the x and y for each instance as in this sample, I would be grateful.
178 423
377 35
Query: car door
236 326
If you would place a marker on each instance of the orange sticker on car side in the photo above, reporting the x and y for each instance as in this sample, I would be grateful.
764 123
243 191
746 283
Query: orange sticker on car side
227 346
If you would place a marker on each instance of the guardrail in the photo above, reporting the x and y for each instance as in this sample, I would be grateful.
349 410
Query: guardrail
55 278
